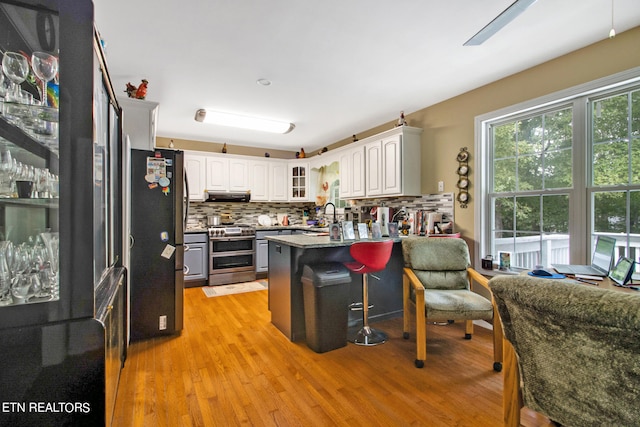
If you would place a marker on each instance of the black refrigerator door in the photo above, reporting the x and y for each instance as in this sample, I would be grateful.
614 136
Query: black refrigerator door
157 251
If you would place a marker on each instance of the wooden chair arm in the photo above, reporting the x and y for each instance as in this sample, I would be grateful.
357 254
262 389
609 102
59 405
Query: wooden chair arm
478 278
414 281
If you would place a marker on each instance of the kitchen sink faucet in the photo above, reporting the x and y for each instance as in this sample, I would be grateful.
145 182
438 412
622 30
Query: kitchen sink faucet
335 218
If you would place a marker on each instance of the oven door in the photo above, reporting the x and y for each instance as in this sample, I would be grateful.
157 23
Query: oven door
232 254
231 244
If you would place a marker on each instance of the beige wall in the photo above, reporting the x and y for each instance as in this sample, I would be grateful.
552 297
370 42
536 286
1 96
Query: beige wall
216 147
449 125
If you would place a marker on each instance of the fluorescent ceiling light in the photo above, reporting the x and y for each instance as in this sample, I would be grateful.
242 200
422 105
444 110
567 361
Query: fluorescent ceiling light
508 15
244 122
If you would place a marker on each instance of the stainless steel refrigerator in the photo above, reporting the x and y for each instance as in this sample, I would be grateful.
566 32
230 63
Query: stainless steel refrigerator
156 251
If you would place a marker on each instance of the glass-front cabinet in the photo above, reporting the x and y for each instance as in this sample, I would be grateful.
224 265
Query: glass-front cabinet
61 282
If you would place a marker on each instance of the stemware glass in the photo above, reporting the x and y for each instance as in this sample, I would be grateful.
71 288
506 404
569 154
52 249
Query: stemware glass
45 67
5 276
6 171
16 67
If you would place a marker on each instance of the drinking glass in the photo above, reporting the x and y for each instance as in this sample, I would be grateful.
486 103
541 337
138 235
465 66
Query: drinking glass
16 67
45 67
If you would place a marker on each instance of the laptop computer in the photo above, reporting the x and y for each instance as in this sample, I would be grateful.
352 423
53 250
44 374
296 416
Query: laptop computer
600 262
621 273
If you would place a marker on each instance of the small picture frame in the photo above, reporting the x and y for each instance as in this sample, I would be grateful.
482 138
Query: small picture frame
348 232
334 231
505 260
376 231
393 229
363 231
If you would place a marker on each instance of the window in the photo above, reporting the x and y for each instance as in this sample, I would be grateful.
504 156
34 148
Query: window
559 171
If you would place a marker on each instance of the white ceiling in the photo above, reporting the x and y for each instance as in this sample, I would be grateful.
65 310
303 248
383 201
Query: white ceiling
337 67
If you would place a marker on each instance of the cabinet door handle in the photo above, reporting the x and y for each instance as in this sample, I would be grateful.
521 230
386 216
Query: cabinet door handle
186 269
186 248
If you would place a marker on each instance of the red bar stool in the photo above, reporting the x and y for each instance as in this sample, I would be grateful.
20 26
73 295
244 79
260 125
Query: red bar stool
369 257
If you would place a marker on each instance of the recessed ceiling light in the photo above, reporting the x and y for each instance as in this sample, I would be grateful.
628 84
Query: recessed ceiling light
263 82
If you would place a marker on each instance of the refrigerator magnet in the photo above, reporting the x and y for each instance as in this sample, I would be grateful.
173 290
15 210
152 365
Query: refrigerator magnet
169 162
164 236
150 177
164 181
166 190
168 252
153 185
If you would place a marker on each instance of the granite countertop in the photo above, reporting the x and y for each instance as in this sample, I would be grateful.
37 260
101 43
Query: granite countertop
309 241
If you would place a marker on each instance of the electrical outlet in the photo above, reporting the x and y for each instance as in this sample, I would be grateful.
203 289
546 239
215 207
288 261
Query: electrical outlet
440 185
162 325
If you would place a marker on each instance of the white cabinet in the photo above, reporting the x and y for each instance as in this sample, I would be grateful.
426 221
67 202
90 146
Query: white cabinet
139 122
195 167
217 175
299 180
238 174
352 173
393 163
259 180
278 180
227 173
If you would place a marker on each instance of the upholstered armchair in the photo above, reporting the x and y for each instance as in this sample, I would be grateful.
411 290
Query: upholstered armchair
437 287
577 351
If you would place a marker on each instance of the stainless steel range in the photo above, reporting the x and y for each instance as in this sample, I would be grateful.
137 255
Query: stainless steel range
232 254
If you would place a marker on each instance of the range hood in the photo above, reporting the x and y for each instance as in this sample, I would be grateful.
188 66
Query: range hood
227 196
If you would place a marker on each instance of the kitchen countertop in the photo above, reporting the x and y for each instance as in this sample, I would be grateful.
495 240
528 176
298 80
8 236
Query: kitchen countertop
305 241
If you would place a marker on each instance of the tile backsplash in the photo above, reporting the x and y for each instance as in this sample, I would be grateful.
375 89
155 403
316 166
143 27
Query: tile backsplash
247 213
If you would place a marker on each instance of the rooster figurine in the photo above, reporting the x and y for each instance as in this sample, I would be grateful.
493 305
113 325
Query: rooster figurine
139 92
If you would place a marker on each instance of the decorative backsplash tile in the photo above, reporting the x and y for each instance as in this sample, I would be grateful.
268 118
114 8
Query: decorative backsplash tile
247 213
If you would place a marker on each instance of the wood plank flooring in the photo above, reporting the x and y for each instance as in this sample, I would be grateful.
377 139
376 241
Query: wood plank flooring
231 366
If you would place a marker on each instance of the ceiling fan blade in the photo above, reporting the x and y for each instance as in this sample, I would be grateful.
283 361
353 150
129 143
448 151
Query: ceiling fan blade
508 15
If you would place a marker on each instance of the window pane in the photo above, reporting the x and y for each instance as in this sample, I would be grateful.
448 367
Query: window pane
610 119
528 213
529 172
634 217
504 177
503 214
504 144
558 130
558 172
610 163
609 212
529 135
555 214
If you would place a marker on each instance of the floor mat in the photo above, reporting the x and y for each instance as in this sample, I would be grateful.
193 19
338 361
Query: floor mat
235 288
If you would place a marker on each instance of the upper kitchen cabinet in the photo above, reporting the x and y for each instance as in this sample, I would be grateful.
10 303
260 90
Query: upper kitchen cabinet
352 173
225 173
299 181
259 180
195 166
139 122
217 173
392 160
278 181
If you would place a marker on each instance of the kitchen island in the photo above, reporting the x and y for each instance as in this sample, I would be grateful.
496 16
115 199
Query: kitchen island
287 257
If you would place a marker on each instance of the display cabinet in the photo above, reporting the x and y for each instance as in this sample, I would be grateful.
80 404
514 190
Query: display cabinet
62 302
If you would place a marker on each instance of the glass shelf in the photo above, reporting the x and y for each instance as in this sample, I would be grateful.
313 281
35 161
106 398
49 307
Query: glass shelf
32 127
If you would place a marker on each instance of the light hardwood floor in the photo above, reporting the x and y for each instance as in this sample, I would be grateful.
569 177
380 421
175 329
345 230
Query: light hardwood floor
231 366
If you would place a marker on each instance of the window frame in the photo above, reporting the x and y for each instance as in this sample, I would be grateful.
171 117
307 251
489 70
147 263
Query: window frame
580 193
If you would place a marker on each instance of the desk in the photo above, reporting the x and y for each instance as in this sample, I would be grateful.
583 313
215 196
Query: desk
603 336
